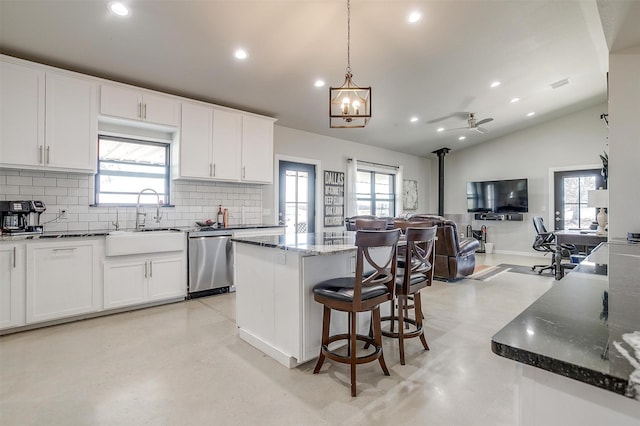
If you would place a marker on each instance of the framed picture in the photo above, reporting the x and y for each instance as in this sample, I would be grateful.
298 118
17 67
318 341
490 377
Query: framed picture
333 198
410 194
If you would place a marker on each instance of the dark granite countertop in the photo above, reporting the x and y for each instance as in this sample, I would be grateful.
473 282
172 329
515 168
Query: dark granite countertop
320 243
105 232
587 326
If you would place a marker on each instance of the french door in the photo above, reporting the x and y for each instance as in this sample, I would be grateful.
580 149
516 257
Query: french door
297 208
571 189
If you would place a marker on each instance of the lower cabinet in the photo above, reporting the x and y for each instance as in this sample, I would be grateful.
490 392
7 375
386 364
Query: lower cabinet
11 285
62 279
134 280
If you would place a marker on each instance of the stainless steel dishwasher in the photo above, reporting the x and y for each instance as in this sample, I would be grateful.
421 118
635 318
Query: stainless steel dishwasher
210 254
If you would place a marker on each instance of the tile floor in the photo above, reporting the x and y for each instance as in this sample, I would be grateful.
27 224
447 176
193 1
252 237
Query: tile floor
183 364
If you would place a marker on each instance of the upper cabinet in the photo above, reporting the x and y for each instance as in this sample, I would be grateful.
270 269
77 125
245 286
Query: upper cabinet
217 144
257 149
140 105
48 120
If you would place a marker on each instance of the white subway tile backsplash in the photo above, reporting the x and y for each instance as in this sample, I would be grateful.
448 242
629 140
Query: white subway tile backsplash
19 180
192 201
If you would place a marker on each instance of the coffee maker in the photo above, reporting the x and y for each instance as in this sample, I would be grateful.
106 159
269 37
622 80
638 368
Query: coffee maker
21 217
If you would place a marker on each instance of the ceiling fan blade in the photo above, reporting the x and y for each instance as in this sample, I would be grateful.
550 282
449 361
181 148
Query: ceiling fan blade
445 117
480 130
483 121
457 128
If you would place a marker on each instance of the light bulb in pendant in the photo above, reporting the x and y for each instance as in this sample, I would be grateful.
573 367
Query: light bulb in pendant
356 107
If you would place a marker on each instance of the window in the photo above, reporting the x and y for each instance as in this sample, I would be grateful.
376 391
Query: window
375 192
571 196
127 166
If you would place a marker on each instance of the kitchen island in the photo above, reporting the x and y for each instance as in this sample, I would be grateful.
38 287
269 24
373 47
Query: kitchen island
578 346
275 275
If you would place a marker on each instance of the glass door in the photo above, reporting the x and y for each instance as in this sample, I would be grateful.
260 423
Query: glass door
571 189
297 208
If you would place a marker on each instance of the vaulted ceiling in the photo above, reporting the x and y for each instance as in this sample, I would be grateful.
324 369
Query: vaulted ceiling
437 69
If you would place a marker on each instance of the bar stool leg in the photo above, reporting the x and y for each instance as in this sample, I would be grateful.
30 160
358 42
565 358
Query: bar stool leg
418 304
401 312
377 338
326 319
352 349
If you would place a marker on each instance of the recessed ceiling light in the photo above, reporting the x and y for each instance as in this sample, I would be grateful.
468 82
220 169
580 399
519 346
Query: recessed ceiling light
414 119
319 83
414 17
531 114
118 8
440 129
495 84
240 54
461 138
514 100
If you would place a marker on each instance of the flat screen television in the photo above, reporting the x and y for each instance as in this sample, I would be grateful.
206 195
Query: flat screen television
498 196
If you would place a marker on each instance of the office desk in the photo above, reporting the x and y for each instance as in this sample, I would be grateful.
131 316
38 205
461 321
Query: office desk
578 238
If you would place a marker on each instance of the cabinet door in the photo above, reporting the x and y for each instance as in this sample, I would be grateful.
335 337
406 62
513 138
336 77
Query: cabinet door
125 282
160 109
121 102
227 137
21 115
257 149
71 123
195 141
11 286
167 277
61 280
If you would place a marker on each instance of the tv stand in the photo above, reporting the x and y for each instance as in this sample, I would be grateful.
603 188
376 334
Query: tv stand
517 217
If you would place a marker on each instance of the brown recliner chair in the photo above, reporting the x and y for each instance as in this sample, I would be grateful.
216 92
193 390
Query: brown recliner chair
455 257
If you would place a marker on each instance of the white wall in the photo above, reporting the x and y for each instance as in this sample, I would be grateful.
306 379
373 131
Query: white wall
573 140
332 153
624 134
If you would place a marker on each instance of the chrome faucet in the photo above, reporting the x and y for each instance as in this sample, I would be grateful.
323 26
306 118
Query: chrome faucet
140 224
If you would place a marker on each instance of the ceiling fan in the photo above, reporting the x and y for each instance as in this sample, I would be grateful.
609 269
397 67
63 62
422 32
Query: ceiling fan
474 124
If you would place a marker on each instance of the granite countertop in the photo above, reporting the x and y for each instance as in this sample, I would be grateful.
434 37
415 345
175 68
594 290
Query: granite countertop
320 243
105 232
587 326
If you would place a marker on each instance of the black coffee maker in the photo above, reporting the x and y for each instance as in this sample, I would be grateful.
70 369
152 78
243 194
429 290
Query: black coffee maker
21 217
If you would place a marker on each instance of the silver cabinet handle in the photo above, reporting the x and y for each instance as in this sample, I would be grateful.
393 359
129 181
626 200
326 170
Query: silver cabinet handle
14 258
210 169
214 169
140 109
145 269
145 111
41 154
243 172
48 153
150 268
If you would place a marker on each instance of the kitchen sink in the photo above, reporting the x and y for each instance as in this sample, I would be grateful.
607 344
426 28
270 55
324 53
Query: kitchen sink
152 240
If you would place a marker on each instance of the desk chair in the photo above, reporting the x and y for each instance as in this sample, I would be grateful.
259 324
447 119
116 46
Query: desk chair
545 242
362 293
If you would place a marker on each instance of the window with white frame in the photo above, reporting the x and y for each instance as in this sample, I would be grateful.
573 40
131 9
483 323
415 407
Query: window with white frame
127 166
376 193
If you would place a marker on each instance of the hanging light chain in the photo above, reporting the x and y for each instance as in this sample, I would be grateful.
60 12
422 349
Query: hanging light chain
348 36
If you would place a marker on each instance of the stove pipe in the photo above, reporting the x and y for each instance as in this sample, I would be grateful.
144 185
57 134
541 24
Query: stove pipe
441 153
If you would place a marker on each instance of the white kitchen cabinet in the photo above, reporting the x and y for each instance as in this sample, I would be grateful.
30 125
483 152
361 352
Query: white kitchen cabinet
62 279
227 137
22 90
134 280
209 143
48 119
257 149
11 285
136 104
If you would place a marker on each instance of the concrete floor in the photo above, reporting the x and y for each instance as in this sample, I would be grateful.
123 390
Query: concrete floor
183 364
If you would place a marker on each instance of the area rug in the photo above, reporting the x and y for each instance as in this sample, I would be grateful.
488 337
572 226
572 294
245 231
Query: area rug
485 272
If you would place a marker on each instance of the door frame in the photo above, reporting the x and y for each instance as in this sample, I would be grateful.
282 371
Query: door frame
276 187
551 200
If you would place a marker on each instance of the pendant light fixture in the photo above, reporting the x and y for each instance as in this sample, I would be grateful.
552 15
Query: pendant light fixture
349 105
